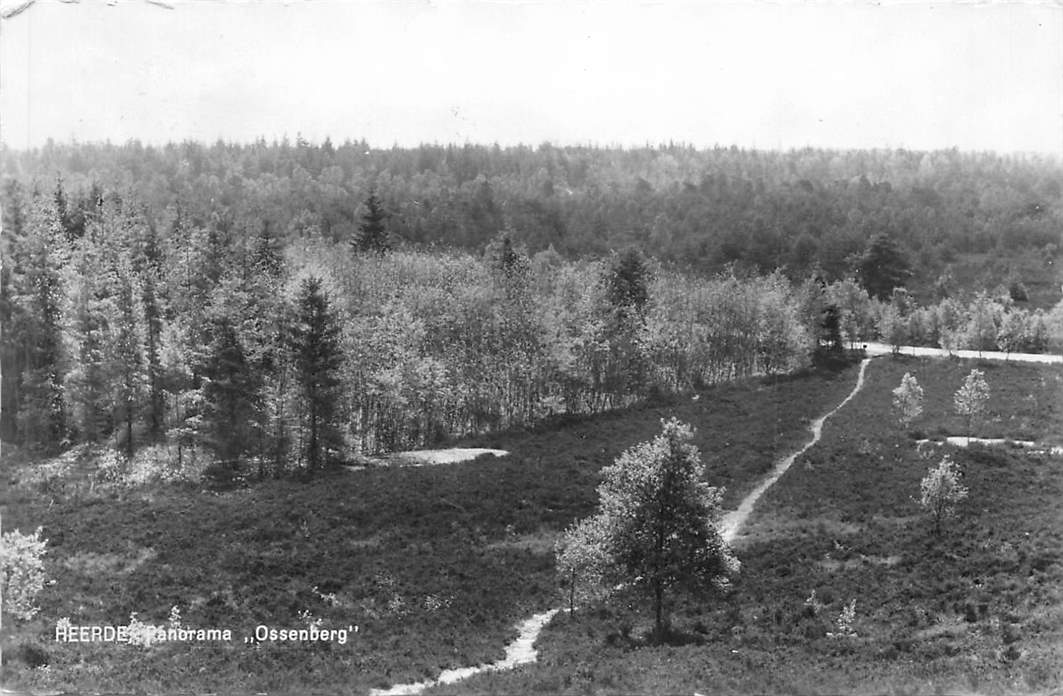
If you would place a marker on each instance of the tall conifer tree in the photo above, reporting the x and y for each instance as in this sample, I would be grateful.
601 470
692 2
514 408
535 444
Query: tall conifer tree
317 356
373 233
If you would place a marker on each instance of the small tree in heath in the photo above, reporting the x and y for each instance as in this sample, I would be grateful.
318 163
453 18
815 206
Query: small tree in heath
21 572
908 400
655 528
942 491
582 562
971 399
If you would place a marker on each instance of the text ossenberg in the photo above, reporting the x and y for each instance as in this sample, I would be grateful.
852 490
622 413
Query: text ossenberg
265 634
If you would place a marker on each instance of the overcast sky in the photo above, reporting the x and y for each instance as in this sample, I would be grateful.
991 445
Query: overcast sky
755 74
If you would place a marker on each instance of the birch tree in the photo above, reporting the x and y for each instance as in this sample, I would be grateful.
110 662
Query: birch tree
971 399
908 400
942 491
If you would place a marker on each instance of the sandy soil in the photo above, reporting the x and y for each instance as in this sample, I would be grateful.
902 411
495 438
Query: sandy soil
959 441
453 455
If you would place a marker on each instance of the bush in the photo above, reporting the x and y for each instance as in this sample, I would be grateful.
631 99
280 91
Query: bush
941 491
21 572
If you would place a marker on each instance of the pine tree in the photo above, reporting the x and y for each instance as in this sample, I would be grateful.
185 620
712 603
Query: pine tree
627 280
37 293
62 211
12 356
87 331
373 233
830 328
883 267
267 254
126 351
152 344
315 344
230 397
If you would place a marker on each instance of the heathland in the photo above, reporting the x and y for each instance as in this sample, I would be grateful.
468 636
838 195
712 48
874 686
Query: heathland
205 350
436 564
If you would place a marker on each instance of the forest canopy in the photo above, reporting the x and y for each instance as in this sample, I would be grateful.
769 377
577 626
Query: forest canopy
797 210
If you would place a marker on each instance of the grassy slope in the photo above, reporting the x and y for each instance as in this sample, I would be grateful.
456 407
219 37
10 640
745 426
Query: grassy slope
932 614
435 565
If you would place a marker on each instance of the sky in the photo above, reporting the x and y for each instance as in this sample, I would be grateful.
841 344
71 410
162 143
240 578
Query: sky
772 75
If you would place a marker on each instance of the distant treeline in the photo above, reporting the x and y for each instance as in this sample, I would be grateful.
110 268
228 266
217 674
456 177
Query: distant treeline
795 210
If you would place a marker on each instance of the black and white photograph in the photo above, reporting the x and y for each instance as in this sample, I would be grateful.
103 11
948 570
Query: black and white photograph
448 347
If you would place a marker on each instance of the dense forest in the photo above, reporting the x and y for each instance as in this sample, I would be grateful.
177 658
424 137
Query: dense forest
287 305
793 210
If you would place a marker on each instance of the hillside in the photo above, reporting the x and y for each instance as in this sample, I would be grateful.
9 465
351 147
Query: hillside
438 563
433 564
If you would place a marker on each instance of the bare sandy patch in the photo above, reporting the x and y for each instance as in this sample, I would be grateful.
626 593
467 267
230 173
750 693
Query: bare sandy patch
960 441
452 455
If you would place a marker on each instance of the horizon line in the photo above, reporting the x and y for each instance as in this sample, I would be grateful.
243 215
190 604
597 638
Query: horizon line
299 140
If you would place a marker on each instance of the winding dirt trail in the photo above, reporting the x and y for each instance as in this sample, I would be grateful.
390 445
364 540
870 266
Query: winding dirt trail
522 649
733 520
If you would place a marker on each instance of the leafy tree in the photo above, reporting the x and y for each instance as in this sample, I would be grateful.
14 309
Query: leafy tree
1035 335
892 327
315 347
951 325
942 491
655 528
908 400
855 307
883 267
582 561
22 574
373 233
1012 332
982 327
971 398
